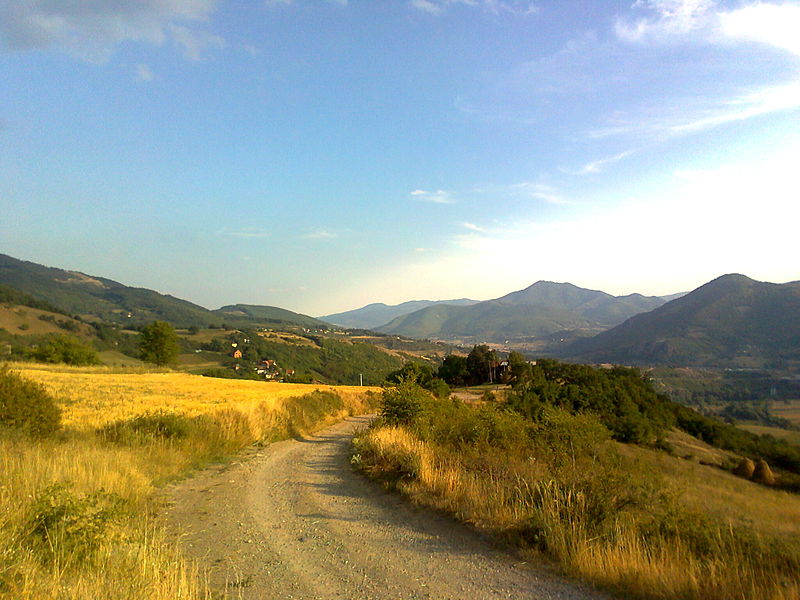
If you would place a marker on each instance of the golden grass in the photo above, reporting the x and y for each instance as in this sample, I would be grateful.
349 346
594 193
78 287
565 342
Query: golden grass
729 499
504 496
130 556
95 396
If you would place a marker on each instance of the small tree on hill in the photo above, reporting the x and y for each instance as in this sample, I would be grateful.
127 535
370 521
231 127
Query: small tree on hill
159 344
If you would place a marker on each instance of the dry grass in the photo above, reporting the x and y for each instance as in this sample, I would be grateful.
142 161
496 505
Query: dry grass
106 542
521 501
788 410
95 396
25 320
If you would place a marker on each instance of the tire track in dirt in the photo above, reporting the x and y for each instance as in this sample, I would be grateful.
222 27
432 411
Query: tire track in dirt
294 521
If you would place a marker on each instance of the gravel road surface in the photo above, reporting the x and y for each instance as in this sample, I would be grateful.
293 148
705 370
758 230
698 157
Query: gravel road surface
293 520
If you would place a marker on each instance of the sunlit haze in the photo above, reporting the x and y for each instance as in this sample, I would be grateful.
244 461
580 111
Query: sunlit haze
320 155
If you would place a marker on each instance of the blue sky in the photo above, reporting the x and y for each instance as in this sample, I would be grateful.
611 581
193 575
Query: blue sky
319 155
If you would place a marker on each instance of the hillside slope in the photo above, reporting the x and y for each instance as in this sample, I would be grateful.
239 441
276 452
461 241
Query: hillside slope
378 313
730 321
542 309
76 293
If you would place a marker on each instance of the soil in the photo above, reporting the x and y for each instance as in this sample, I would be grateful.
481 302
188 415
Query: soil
293 520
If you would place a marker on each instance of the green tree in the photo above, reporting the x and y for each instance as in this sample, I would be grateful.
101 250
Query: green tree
159 344
66 349
481 363
454 370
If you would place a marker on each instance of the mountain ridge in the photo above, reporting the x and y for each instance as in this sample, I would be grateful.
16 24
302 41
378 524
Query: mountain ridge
732 319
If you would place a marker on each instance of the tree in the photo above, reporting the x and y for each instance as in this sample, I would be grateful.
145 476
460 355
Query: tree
454 370
66 349
159 344
480 364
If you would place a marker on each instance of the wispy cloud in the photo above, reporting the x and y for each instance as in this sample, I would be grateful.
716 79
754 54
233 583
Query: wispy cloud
682 118
473 227
437 197
320 234
767 23
598 166
512 7
91 30
665 18
539 191
245 232
194 43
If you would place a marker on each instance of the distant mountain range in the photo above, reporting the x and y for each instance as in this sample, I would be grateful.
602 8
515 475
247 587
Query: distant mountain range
79 294
377 314
540 310
731 321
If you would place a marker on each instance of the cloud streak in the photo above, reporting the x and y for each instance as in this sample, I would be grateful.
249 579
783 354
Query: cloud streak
437 197
511 7
91 30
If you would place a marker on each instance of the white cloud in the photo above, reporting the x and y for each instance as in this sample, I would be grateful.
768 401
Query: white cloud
760 102
740 217
772 24
473 227
512 7
670 18
764 22
437 197
91 30
539 191
598 166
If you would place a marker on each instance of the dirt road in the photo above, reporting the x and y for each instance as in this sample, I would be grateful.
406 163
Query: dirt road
293 520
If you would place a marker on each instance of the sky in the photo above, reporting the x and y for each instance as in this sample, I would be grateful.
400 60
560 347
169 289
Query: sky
320 155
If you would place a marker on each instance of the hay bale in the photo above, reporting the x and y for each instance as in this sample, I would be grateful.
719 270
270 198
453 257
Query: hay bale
763 474
745 468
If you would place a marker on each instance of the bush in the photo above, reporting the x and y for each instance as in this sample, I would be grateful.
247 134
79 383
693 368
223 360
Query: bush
67 526
25 405
157 425
403 404
66 349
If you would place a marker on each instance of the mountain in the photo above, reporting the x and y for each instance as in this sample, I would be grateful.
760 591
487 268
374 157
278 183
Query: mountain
76 293
540 310
731 321
373 315
269 315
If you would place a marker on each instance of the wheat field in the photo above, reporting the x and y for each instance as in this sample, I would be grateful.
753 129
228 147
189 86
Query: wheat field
100 497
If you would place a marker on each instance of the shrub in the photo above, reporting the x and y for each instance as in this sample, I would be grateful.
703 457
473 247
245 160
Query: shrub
65 525
25 405
156 425
403 403
66 349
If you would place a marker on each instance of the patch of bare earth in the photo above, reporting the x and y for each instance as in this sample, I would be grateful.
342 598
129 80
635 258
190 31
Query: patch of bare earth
293 520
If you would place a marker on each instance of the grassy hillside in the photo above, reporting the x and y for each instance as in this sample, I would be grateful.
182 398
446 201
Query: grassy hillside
112 302
630 518
269 316
537 311
77 509
377 314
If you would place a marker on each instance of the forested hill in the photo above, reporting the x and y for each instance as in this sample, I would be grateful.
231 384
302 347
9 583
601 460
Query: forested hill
377 314
542 309
76 293
731 321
